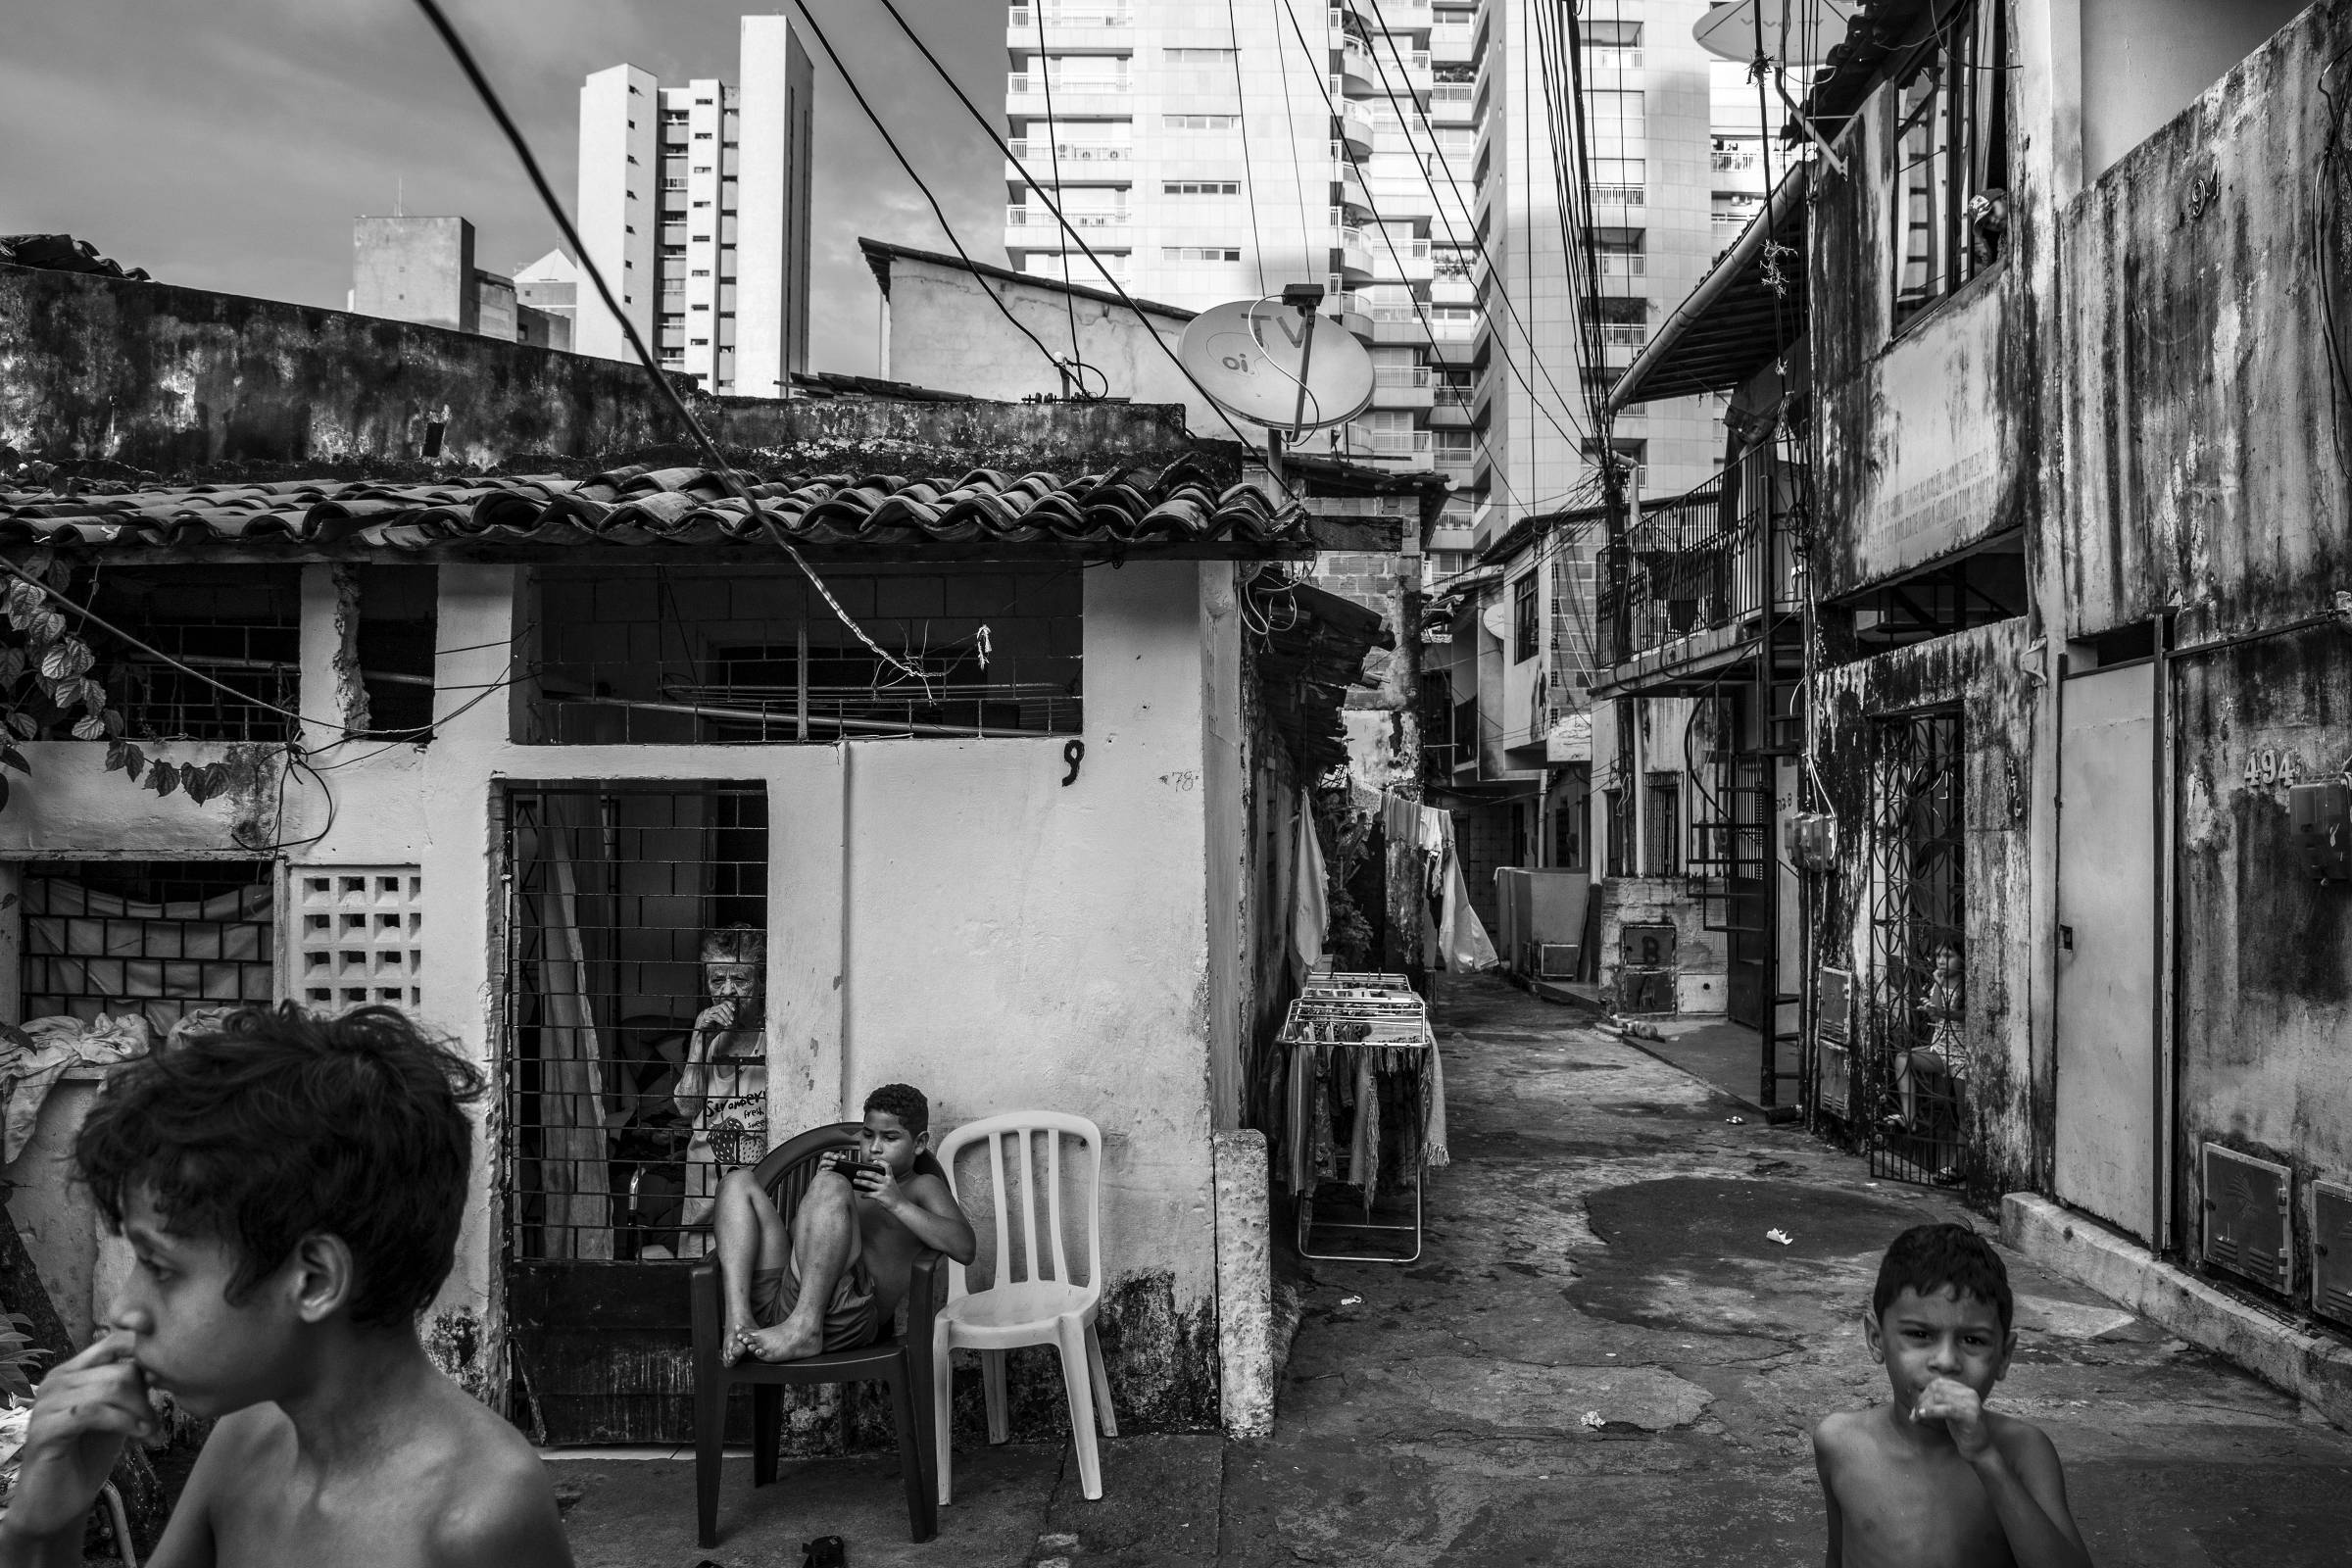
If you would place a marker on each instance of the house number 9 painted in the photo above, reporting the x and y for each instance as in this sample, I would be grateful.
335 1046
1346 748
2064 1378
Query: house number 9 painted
2269 767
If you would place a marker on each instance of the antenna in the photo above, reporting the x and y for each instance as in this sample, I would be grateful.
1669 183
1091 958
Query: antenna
400 196
1794 32
1263 361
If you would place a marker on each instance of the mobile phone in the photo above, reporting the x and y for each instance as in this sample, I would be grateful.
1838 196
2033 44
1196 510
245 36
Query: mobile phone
850 1165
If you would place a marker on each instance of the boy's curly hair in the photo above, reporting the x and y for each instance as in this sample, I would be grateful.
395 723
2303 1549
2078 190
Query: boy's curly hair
281 1123
905 1102
1929 1259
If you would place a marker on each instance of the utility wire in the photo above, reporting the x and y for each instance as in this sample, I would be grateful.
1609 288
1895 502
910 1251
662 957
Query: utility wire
990 130
1321 65
1240 103
725 473
1045 70
1478 241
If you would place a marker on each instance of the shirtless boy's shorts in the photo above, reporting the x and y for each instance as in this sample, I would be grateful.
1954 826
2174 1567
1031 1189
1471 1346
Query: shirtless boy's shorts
852 1320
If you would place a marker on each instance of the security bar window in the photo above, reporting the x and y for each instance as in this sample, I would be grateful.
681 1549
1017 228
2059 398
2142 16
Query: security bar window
1662 824
1951 160
1524 639
147 940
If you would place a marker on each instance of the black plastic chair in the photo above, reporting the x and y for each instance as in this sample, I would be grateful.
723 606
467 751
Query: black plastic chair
904 1364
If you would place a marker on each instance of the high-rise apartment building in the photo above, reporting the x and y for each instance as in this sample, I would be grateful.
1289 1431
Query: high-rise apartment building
1210 152
694 204
1402 155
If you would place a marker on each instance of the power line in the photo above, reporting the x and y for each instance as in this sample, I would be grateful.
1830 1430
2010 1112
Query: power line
1045 70
1240 103
938 211
1477 241
1421 310
719 466
990 130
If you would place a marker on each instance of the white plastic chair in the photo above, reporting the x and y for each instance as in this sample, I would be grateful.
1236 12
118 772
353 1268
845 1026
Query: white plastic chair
1032 1309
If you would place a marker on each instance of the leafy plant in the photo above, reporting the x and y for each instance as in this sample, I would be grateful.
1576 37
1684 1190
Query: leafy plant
47 682
18 1357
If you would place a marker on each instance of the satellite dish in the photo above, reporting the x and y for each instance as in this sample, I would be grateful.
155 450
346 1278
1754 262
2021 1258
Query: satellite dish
1247 356
1491 617
1795 32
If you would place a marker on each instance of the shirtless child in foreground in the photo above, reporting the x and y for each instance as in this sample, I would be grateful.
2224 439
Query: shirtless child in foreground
291 1188
834 1280
1932 1479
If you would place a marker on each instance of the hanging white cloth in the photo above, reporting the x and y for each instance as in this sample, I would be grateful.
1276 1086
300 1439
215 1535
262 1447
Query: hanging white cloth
1461 936
1310 899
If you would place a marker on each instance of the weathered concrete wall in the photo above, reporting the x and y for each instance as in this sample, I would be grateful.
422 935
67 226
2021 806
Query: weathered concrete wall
2206 448
1983 674
181 382
942 911
2266 971
1697 977
1926 437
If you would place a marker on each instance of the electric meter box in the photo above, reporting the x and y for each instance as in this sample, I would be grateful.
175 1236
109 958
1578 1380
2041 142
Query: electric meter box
2319 813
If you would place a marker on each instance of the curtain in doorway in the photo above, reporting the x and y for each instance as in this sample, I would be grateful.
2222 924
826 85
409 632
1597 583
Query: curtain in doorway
574 1149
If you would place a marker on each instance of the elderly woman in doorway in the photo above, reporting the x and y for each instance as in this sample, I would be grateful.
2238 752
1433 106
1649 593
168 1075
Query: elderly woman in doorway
722 1084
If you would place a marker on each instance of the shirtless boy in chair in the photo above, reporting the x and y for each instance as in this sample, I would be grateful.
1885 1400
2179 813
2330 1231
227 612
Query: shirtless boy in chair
834 1280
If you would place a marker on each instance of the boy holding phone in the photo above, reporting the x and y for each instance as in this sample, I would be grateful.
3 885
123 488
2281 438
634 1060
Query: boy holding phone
834 1279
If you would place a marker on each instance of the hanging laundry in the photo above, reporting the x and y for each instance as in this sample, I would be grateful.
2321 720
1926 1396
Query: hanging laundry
1310 899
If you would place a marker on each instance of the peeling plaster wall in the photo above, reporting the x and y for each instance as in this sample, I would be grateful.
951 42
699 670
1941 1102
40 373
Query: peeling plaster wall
2266 970
181 380
2207 458
1925 438
979 929
1981 672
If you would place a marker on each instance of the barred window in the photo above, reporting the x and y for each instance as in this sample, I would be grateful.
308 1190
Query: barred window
1524 640
1951 161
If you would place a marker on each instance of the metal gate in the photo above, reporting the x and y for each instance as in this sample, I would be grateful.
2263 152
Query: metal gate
610 889
1917 1066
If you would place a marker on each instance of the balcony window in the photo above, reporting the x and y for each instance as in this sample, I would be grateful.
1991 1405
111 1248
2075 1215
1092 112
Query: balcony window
1201 187
1662 824
1199 121
1200 252
1524 641
1951 161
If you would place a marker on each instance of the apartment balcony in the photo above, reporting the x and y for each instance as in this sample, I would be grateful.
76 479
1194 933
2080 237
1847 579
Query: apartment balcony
1356 129
1353 253
1403 16
1627 270
1077 99
1358 76
1397 325
1612 203
1453 289
1071 29
1033 228
1449 406
1350 183
1398 261
1403 386
1452 103
1400 203
1451 43
1349 311
1079 162
1699 579
1417 77
1394 444
1347 441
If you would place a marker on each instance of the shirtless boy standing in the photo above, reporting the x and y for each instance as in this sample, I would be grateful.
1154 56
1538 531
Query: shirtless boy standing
291 1186
1932 1479
833 1281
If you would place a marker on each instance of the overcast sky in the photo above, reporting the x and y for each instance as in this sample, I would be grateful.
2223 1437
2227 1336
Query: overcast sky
227 144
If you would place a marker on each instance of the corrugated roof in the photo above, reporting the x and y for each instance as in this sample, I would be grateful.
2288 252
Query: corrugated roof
1179 506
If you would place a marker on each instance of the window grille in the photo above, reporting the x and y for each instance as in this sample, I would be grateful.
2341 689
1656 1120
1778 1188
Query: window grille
1662 824
358 935
1951 161
721 655
158 938
1524 640
240 625
611 890
1614 813
1918 1067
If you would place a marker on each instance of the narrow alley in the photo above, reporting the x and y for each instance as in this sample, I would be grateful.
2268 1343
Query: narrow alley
1601 1357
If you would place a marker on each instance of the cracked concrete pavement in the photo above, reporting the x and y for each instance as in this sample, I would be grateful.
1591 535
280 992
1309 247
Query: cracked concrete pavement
1600 1357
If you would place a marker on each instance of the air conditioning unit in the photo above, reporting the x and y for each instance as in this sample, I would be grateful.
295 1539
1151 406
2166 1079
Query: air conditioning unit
2245 1216
2331 1250
1834 1008
1833 1080
1555 960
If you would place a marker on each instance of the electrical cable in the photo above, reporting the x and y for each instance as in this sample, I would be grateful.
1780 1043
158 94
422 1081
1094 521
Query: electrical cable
1420 310
990 130
938 211
1478 241
1069 301
1241 102
720 467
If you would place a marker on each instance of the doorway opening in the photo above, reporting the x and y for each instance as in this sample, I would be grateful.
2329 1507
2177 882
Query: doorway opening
1918 1071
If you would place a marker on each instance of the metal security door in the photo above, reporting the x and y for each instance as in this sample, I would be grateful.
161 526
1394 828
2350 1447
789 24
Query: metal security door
2107 1025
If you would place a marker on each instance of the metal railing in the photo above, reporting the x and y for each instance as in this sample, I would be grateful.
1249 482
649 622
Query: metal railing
1020 83
1401 375
1019 217
1696 561
1623 263
1733 162
1025 16
1622 195
1072 151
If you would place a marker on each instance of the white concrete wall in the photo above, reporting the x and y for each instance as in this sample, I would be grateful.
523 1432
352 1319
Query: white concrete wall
943 913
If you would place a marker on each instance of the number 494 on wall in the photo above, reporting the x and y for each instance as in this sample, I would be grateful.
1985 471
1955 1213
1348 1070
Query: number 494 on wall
2269 767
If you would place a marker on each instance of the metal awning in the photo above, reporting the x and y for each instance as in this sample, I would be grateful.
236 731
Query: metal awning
1734 322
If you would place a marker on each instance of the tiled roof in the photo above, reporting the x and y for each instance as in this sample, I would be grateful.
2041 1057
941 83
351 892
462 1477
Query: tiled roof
1177 506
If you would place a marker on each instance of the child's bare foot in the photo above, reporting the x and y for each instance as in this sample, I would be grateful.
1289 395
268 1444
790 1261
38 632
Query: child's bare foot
789 1341
731 1348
